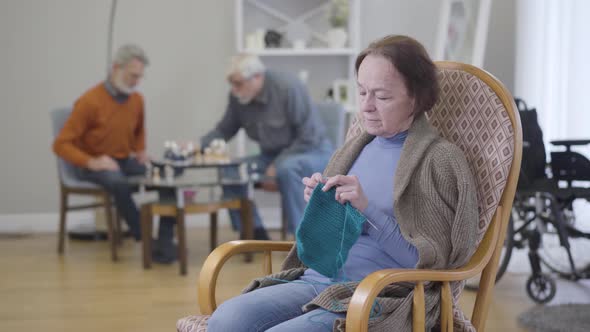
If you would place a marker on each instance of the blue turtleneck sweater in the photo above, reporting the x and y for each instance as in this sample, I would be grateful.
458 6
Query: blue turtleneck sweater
384 247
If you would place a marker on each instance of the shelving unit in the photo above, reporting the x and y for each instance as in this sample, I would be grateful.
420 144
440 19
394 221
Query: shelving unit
278 15
303 52
323 65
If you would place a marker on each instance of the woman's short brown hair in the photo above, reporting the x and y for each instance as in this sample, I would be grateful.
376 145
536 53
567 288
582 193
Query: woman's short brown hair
411 60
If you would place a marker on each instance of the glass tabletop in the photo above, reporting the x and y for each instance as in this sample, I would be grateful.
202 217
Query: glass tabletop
181 182
192 163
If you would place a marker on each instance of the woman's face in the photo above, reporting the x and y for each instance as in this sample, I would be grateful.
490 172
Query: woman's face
384 102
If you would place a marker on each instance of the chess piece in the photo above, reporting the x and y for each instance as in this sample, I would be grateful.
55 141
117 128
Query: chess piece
198 157
207 158
190 149
156 176
243 171
219 149
168 173
148 170
168 153
184 155
176 155
254 172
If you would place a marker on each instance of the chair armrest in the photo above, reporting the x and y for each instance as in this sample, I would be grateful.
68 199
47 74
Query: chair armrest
357 318
571 142
218 257
568 142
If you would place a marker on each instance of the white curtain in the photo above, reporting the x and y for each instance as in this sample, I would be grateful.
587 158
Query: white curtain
553 65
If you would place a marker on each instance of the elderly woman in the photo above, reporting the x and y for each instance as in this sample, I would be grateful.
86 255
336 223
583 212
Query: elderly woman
413 187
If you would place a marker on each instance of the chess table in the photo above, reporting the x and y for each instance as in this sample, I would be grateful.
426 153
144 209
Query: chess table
179 206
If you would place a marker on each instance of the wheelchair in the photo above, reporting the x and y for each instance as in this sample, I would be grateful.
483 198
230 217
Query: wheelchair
543 218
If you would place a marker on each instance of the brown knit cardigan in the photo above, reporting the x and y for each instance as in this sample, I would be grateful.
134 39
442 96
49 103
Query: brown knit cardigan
435 204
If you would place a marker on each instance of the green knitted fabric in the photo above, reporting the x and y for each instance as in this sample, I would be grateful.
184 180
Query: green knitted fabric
327 232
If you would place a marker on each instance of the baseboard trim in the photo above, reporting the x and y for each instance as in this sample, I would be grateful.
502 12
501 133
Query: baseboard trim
26 223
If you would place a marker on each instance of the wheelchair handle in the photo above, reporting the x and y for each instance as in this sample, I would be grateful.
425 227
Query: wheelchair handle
569 143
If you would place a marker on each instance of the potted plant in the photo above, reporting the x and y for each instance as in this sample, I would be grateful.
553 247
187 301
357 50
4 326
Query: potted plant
338 16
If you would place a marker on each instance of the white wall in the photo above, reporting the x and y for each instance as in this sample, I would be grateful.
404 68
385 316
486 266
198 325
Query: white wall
419 19
54 50
501 49
416 18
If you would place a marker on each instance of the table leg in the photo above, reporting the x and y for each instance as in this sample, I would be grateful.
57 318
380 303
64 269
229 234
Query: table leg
146 234
180 225
213 230
110 227
247 224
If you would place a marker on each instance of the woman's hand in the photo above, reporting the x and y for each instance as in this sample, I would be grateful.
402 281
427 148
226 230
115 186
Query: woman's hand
310 184
348 189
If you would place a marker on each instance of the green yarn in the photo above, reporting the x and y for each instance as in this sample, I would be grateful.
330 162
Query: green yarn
327 232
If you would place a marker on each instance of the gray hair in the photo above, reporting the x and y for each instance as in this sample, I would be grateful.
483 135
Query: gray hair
246 65
128 52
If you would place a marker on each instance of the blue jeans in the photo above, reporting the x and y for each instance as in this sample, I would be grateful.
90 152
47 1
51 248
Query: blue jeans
115 183
274 308
290 170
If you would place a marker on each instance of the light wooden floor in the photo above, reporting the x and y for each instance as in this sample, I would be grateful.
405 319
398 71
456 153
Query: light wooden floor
84 290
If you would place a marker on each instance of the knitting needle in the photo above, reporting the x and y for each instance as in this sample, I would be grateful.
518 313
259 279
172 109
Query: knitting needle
370 223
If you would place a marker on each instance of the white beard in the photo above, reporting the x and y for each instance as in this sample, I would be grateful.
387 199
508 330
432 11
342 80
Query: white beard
122 87
244 101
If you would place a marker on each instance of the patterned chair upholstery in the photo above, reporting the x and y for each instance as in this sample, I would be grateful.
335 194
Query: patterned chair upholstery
478 115
197 323
472 116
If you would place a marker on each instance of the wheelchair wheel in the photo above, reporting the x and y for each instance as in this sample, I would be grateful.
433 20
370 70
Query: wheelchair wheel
541 288
554 255
473 283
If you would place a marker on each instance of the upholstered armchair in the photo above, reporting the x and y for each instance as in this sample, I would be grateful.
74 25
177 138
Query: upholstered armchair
477 113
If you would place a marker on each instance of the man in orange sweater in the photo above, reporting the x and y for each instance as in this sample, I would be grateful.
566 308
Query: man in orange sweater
105 138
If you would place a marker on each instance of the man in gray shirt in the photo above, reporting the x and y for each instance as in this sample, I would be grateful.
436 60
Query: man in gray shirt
276 111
